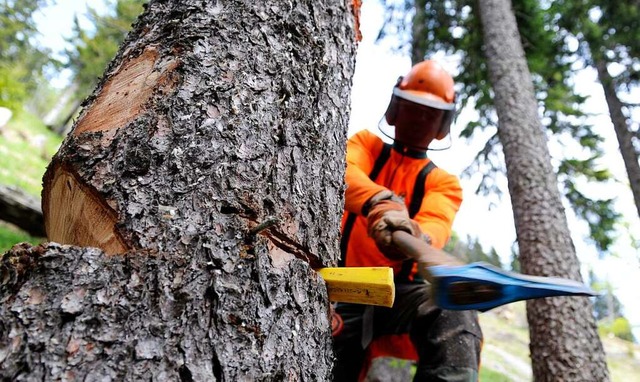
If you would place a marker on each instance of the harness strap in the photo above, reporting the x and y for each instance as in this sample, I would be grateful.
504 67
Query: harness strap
414 208
351 217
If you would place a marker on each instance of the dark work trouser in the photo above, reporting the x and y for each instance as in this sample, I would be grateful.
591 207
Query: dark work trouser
448 342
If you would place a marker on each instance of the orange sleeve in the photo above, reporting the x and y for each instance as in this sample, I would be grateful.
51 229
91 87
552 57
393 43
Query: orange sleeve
362 151
439 206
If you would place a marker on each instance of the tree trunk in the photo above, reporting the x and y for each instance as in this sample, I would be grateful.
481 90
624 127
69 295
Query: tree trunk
418 33
21 210
564 340
208 167
62 103
63 126
624 135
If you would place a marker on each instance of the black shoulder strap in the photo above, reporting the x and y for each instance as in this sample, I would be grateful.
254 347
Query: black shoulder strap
414 208
385 153
351 217
418 189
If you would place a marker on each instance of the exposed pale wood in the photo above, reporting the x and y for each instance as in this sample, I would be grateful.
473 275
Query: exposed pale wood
75 215
125 94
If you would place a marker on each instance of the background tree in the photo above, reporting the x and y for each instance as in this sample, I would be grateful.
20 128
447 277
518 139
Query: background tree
564 339
609 311
21 63
609 33
606 304
209 164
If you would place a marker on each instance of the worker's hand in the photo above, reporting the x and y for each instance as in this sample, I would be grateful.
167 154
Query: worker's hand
386 216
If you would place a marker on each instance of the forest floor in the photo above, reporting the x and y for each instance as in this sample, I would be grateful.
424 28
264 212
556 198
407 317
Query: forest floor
26 147
505 352
506 348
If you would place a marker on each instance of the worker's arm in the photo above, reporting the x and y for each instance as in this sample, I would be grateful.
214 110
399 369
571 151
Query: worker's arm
435 218
439 206
362 150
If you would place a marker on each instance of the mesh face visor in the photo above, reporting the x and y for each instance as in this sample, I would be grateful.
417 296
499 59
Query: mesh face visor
433 107
418 117
427 117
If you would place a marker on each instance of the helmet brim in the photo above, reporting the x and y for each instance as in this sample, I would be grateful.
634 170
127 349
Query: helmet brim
425 99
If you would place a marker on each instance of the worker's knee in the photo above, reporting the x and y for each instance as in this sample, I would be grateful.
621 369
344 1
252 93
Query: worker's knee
448 339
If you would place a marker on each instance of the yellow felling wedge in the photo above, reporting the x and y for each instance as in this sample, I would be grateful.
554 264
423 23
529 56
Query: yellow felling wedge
360 285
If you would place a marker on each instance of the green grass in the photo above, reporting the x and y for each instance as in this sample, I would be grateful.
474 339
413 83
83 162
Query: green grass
9 236
23 162
26 147
488 375
408 369
512 338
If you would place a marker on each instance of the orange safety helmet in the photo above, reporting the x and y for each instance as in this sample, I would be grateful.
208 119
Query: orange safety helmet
429 90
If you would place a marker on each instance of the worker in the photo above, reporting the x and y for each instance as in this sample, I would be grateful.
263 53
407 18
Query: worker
397 187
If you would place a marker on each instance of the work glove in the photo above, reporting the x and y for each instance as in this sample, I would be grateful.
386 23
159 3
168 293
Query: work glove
387 213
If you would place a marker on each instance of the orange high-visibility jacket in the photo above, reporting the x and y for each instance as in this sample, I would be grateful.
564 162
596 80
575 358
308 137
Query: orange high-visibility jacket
441 201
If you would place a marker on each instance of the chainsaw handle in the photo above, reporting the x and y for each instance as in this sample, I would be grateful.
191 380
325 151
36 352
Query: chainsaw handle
424 254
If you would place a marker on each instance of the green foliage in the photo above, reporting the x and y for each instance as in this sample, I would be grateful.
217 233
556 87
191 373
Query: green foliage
94 49
471 250
515 262
488 375
21 63
605 29
599 214
620 328
13 91
607 32
608 311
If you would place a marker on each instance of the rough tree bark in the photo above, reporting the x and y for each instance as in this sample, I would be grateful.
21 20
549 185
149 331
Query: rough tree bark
207 167
564 340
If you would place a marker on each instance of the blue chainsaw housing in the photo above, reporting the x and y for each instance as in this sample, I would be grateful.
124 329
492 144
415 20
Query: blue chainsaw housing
481 286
